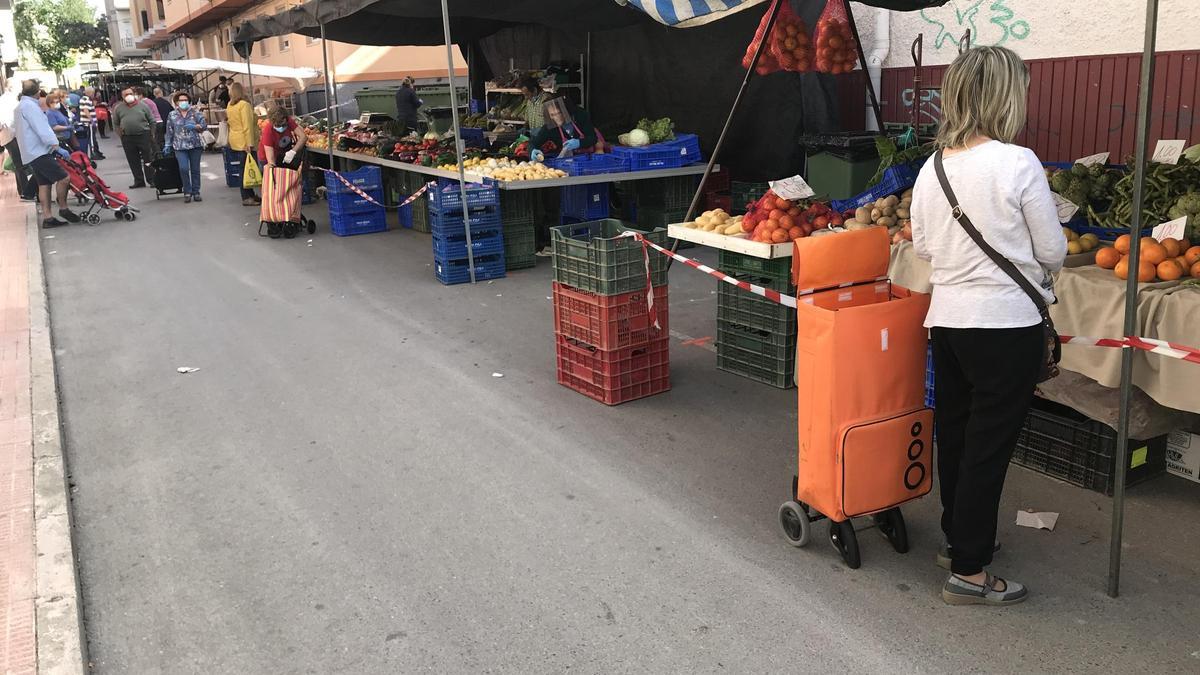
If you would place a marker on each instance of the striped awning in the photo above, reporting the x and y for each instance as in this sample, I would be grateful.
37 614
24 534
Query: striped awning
689 13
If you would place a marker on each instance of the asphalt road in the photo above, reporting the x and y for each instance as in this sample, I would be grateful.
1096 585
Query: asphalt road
344 486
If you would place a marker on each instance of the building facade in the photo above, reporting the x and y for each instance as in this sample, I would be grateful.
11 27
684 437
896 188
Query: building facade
176 29
120 32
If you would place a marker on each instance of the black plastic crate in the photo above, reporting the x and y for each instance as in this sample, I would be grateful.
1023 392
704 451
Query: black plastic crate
520 240
666 193
1062 443
776 272
742 193
735 305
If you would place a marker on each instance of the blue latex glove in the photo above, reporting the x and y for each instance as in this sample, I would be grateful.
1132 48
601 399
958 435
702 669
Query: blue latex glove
572 144
63 152
537 156
166 149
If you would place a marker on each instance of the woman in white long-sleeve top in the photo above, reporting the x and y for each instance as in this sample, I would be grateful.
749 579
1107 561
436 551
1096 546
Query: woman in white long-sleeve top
988 341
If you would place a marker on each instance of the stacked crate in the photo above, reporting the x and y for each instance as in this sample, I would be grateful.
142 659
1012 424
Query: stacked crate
452 253
415 215
756 338
233 167
742 193
520 230
607 346
351 213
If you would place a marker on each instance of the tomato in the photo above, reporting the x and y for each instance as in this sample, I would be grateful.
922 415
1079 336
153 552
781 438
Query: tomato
786 222
820 221
776 214
794 211
795 232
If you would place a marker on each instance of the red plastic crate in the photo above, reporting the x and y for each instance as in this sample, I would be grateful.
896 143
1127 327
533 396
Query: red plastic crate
718 201
718 181
608 321
614 376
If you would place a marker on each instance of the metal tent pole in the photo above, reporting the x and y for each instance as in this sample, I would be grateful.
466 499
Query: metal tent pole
729 120
458 143
250 79
862 58
1131 299
328 105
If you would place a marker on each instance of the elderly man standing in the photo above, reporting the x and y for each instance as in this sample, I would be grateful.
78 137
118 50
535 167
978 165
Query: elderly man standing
135 128
38 145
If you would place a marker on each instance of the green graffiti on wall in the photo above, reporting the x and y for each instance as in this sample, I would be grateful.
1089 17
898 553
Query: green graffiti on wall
956 16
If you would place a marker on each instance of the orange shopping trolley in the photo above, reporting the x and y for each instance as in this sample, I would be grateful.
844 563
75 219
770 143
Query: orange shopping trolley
865 435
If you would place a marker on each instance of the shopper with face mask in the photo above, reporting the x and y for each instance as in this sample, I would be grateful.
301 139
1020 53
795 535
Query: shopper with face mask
38 146
135 128
183 138
281 142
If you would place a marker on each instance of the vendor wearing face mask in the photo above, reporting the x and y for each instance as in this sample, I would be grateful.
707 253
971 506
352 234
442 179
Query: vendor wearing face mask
281 142
135 128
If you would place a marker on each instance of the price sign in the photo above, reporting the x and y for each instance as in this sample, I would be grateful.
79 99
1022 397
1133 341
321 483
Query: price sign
1098 158
1066 209
792 188
1168 152
1174 229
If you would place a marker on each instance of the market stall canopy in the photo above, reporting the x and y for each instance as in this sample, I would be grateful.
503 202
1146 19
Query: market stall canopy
419 22
299 75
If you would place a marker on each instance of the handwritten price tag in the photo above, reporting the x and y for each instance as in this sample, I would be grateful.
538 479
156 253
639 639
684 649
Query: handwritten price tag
792 188
1171 230
1168 152
1066 209
1098 158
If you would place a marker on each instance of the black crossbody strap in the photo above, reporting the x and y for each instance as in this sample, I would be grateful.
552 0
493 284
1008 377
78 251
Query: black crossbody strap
1003 263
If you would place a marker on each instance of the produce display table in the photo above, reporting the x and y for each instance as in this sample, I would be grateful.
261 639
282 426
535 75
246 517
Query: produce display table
694 170
730 243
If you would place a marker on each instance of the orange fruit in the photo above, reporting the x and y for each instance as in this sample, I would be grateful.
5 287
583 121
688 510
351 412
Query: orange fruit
786 222
782 204
1153 252
779 236
1107 257
1172 246
1169 270
1146 271
1192 255
795 232
776 214
1122 268
1195 271
1122 244
1149 240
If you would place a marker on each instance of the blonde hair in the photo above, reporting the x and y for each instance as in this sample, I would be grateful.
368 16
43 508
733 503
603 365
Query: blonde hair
236 92
984 93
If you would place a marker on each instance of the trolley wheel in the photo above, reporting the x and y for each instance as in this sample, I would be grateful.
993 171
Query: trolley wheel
93 218
845 541
310 225
891 526
119 214
130 216
793 518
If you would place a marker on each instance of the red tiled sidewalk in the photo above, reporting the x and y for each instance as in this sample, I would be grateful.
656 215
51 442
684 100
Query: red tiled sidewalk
18 648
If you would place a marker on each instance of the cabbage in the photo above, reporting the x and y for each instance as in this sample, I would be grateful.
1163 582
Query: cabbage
638 138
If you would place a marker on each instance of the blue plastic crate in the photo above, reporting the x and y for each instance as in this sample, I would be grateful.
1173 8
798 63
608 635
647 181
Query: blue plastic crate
605 163
457 272
488 242
585 202
365 179
441 224
650 157
895 179
472 138
359 223
446 196
348 203
406 216
689 147
572 165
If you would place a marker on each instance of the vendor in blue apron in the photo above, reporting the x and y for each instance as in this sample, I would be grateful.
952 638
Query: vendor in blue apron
567 130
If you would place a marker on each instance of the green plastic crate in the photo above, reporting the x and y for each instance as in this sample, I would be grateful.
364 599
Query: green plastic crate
776 272
517 205
520 239
757 355
593 257
738 306
742 193
666 193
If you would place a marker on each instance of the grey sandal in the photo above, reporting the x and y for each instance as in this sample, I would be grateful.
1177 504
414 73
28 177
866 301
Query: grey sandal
959 591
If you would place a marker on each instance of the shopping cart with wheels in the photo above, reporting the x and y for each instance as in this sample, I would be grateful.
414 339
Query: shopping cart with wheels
280 215
864 432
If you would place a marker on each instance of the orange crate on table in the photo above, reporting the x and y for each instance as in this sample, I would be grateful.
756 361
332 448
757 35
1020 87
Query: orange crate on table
608 321
617 375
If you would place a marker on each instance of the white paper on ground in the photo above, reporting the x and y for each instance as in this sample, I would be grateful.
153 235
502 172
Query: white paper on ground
186 369
792 188
1038 520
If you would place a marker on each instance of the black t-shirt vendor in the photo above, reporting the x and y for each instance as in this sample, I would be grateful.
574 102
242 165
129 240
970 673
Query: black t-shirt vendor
567 130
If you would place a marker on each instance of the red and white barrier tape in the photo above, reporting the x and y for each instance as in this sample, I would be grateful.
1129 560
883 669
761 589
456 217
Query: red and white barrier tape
1152 345
355 189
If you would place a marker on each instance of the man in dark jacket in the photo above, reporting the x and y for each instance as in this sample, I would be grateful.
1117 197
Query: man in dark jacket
407 104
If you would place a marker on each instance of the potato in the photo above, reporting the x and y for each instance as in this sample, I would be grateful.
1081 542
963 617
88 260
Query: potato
855 225
889 211
862 214
886 221
735 228
880 203
902 212
1074 248
892 200
876 214
907 194
691 224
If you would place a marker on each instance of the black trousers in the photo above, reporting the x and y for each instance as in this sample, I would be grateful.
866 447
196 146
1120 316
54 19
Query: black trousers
983 384
25 187
139 151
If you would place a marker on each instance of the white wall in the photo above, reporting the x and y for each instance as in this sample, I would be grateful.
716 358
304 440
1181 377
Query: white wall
1035 29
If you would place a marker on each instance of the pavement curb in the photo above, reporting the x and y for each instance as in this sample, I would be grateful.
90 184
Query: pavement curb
61 648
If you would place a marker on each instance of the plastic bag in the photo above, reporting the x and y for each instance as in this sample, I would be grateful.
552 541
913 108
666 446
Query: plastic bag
836 49
788 46
251 176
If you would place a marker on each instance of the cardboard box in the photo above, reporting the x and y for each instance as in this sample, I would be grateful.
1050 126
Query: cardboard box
1183 455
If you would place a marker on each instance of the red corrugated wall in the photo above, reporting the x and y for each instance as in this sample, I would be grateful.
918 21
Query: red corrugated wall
1082 105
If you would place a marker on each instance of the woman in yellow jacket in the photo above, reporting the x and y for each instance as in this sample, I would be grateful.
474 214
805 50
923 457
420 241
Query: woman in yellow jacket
243 132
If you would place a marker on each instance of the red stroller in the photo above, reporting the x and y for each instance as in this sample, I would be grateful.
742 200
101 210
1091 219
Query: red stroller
86 184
